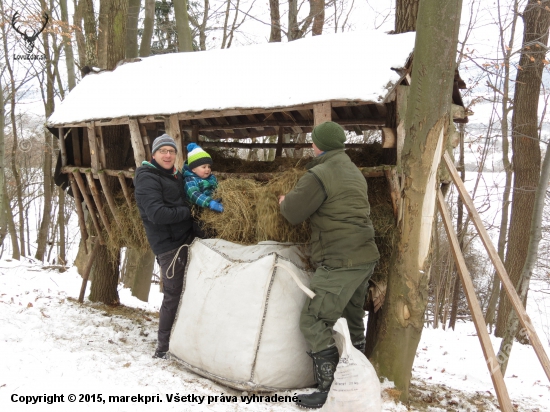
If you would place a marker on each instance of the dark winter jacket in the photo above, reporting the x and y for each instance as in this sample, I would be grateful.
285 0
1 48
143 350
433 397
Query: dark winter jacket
199 191
165 212
333 194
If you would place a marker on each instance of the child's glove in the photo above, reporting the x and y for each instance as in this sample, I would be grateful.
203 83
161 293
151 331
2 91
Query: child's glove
215 206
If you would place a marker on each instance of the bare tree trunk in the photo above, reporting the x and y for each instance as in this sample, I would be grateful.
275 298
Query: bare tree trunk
116 32
201 27
317 8
506 52
461 231
530 262
405 15
3 194
91 33
67 45
61 224
425 124
275 34
185 40
79 6
132 28
525 144
48 149
148 24
103 40
15 253
104 283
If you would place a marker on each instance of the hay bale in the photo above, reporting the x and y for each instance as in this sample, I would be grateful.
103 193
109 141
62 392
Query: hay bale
130 232
238 221
271 225
251 211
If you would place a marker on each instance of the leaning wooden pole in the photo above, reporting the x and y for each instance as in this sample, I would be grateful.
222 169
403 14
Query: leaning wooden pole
475 309
82 187
99 203
499 266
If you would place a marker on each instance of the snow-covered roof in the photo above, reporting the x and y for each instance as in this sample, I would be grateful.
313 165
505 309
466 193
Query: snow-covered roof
345 66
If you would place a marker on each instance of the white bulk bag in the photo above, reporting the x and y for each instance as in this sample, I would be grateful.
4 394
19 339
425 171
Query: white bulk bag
238 318
356 386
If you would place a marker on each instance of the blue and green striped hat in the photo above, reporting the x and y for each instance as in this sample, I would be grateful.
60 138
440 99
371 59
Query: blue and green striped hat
196 156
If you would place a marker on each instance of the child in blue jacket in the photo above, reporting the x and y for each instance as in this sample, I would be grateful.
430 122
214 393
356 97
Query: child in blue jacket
199 182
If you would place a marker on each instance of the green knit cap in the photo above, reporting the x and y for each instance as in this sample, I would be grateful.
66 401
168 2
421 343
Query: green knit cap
328 136
196 156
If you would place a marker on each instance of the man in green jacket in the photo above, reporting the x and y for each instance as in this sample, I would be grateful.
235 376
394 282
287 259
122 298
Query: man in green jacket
333 195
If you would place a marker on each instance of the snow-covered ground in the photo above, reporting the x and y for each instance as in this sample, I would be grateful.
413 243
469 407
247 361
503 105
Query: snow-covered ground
51 344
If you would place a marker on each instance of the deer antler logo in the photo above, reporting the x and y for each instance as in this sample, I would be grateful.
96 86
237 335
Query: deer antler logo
29 40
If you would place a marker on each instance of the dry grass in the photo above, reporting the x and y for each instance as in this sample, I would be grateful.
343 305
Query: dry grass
251 211
128 231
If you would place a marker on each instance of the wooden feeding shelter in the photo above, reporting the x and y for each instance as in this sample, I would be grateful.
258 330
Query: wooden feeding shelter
222 97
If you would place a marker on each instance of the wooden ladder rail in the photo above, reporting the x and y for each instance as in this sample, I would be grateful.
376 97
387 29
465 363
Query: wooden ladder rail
475 309
511 292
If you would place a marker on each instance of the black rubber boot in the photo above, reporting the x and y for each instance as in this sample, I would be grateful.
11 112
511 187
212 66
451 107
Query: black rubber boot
324 365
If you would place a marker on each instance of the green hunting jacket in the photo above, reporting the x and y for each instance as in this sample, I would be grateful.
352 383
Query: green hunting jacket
333 194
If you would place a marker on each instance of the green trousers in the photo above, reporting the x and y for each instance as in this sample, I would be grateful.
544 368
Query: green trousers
339 292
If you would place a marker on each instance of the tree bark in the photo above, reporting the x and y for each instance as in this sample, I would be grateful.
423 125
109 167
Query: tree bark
535 236
18 249
185 39
105 280
461 232
67 45
425 124
79 31
505 104
405 15
317 8
526 155
48 146
91 33
103 36
275 33
132 28
148 24
62 257
116 32
3 194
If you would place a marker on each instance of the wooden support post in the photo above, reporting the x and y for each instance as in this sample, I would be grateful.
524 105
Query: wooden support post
87 270
395 191
499 266
389 138
110 199
77 152
137 142
93 148
79 211
172 127
89 203
102 158
124 186
475 309
62 147
322 113
146 142
98 202
195 133
280 137
401 103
